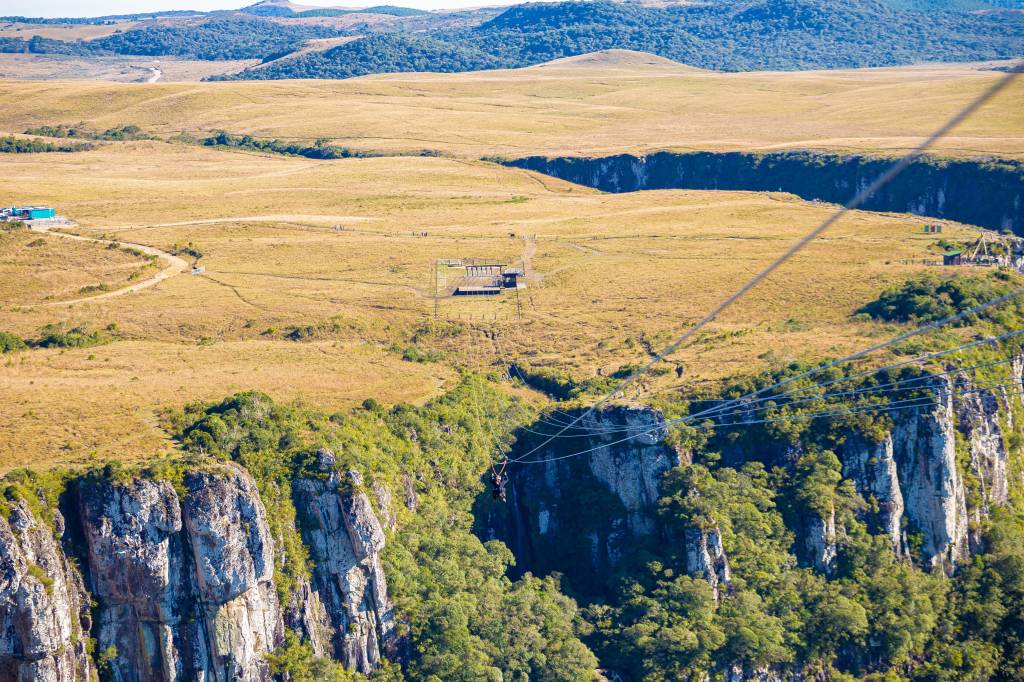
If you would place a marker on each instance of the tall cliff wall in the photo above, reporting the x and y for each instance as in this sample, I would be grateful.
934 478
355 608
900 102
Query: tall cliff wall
579 515
928 187
935 471
182 581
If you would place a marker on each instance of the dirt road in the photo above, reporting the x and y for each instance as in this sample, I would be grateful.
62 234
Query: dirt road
173 265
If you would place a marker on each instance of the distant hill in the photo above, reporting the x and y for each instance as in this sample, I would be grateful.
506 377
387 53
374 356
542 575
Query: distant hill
766 34
386 53
212 38
284 9
727 35
956 5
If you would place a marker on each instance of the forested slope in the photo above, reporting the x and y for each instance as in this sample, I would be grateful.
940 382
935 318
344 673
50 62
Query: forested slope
765 34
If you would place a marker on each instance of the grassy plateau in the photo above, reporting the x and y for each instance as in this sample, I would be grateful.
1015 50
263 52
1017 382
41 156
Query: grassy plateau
318 275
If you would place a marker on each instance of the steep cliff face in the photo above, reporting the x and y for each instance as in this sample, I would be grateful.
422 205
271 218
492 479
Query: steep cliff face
939 468
928 187
705 557
182 578
921 487
43 609
184 586
872 466
579 515
345 540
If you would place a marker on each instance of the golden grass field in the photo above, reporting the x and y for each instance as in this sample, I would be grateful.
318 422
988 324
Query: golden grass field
614 103
63 31
289 242
37 67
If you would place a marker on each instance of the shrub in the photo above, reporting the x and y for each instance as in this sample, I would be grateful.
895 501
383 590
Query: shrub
60 336
929 298
9 343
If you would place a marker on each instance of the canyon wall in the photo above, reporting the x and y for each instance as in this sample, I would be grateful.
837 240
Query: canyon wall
939 188
181 576
938 469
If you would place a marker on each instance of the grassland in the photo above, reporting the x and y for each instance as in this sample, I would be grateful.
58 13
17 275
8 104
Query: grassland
317 280
587 106
67 32
36 67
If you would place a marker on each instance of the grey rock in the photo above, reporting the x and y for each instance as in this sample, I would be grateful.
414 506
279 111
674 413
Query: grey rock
345 539
42 604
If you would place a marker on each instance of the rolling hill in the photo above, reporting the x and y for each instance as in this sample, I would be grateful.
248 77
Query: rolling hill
727 36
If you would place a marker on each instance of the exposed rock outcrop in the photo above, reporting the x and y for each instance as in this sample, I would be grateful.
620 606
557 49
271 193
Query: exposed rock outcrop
705 557
917 483
872 466
579 515
928 187
43 608
820 541
184 586
345 540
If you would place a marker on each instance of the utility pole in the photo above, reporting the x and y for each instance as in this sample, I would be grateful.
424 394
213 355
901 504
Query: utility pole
437 267
519 304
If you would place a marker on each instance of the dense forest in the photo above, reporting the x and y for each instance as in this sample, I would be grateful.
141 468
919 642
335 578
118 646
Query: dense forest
771 34
216 38
376 54
270 9
765 34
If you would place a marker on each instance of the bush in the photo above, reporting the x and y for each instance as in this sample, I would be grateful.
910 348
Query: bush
9 343
60 336
929 298
19 145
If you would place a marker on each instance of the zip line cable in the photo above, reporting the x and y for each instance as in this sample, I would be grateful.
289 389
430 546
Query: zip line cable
652 431
857 201
865 391
879 346
902 363
709 413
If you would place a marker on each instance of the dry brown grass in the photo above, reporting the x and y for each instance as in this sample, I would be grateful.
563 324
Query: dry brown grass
36 67
39 270
69 32
560 109
74 405
331 245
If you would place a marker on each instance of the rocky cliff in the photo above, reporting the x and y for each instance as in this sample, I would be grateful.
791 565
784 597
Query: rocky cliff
182 580
925 480
44 611
345 540
928 187
579 515
184 585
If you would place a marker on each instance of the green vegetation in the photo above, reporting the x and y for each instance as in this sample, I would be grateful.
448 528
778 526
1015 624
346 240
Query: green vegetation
296 660
769 34
79 131
463 617
39 573
875 614
19 145
9 343
213 38
930 298
765 34
560 385
64 336
261 9
386 53
321 149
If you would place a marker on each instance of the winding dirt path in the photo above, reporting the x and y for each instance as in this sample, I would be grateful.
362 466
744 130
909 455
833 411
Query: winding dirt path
173 265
